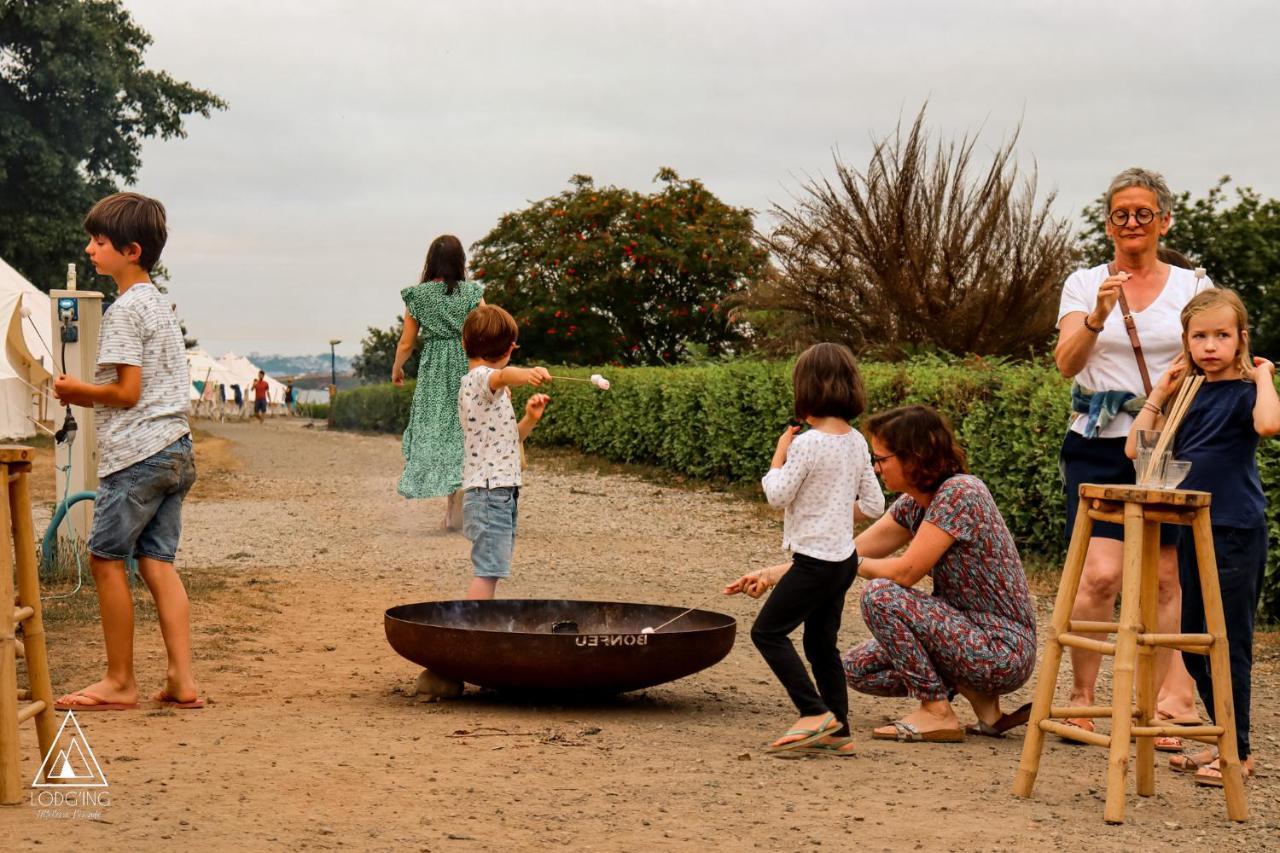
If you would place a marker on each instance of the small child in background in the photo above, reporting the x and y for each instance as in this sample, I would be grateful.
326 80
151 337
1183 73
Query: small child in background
1219 437
491 441
822 477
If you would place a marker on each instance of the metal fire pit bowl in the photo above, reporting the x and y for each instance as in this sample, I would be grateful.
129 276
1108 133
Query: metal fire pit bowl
537 645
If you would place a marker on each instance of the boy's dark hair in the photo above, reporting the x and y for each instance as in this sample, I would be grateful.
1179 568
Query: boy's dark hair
446 261
125 218
827 383
488 332
922 440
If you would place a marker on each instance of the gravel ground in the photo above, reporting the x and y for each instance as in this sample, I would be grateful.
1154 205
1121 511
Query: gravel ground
295 542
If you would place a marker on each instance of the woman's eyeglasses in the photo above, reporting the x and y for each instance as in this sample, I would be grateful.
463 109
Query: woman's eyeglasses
879 460
1143 216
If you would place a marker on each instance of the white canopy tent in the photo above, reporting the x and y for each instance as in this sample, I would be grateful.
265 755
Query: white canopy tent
26 368
247 373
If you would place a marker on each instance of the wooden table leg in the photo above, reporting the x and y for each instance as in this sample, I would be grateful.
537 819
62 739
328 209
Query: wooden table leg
1047 672
1125 662
1219 667
10 781
1145 757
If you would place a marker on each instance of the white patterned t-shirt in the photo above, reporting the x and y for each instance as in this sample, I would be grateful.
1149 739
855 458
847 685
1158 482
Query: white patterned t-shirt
139 329
490 435
824 477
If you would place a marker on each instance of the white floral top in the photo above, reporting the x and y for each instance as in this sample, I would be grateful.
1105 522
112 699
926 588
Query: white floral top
824 476
490 437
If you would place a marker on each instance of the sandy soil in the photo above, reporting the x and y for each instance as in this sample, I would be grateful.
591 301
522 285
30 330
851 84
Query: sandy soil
295 543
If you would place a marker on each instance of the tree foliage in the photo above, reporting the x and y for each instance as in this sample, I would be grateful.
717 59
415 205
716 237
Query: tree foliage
600 275
378 353
76 103
1234 236
916 253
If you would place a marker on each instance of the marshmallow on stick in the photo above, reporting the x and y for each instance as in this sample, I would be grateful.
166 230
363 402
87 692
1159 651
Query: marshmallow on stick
596 380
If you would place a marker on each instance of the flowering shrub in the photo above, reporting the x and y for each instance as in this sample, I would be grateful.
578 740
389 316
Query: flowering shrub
721 422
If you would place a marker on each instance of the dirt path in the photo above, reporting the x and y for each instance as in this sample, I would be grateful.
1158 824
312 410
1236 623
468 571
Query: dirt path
296 542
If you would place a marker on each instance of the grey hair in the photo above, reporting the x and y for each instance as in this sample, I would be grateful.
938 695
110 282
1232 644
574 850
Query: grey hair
1147 180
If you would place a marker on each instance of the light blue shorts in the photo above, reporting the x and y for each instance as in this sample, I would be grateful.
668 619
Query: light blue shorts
138 510
489 521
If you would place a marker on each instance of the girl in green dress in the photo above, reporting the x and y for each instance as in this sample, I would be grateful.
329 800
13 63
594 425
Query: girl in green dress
432 443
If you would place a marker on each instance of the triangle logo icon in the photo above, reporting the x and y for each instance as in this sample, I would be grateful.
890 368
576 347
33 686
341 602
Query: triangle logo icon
70 761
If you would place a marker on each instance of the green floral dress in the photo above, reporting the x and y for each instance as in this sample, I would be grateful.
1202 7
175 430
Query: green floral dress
432 443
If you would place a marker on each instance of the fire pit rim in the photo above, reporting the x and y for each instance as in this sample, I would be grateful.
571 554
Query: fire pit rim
673 610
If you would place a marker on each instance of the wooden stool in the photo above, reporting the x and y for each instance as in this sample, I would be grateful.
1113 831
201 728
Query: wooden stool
15 521
1141 510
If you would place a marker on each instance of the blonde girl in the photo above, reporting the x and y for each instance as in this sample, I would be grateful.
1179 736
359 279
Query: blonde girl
1219 437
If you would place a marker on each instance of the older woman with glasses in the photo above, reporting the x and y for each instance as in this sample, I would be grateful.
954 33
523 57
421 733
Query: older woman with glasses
975 634
1119 326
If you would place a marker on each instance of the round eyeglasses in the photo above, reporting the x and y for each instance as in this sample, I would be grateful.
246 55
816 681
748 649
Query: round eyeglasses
1143 216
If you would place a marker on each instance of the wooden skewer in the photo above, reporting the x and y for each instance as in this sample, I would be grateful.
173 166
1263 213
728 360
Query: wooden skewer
571 379
1158 450
1180 406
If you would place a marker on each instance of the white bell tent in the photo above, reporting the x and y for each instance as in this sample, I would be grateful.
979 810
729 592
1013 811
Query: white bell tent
26 367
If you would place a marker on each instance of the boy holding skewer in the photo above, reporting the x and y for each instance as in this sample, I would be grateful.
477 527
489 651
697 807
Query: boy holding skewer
491 440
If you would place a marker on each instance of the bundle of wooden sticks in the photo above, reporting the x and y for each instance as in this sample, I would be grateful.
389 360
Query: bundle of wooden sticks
1181 402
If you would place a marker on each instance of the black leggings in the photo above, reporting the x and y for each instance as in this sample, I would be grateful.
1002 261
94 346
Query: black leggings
810 593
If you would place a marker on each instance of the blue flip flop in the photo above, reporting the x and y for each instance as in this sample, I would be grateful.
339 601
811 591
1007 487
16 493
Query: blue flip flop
837 748
826 727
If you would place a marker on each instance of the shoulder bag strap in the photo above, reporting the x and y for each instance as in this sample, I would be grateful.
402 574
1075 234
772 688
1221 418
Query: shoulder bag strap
1132 329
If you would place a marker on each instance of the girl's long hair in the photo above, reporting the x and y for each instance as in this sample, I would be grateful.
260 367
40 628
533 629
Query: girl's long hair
446 261
1220 297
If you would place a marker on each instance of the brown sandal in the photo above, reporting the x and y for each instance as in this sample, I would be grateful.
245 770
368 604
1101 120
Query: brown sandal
1190 763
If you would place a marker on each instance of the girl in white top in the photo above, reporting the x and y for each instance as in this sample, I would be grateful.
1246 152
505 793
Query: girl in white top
822 477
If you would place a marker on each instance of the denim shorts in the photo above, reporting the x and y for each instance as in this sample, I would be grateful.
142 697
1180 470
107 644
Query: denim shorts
259 406
489 521
138 511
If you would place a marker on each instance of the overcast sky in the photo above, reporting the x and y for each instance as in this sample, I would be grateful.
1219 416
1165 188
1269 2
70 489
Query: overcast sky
359 131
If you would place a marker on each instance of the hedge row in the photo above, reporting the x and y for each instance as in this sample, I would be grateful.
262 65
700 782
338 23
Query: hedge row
722 421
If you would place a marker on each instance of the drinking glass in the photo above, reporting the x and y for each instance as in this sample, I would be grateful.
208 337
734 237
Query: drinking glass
1175 471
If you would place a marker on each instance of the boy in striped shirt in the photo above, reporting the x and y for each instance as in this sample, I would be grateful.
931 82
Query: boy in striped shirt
145 463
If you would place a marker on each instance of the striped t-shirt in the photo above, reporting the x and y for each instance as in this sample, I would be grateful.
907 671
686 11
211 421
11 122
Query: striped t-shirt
140 329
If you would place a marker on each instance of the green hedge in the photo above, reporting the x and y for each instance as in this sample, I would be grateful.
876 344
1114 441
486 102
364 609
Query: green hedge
722 421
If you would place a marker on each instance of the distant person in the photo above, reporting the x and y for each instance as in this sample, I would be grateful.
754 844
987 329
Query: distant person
145 463
260 389
491 439
437 306
289 403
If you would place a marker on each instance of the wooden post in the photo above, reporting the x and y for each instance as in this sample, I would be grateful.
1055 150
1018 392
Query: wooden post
24 540
10 780
1146 706
1125 661
1047 673
1219 667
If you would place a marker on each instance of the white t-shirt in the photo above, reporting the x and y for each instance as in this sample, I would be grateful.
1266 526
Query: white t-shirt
1112 365
140 329
490 436
822 479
